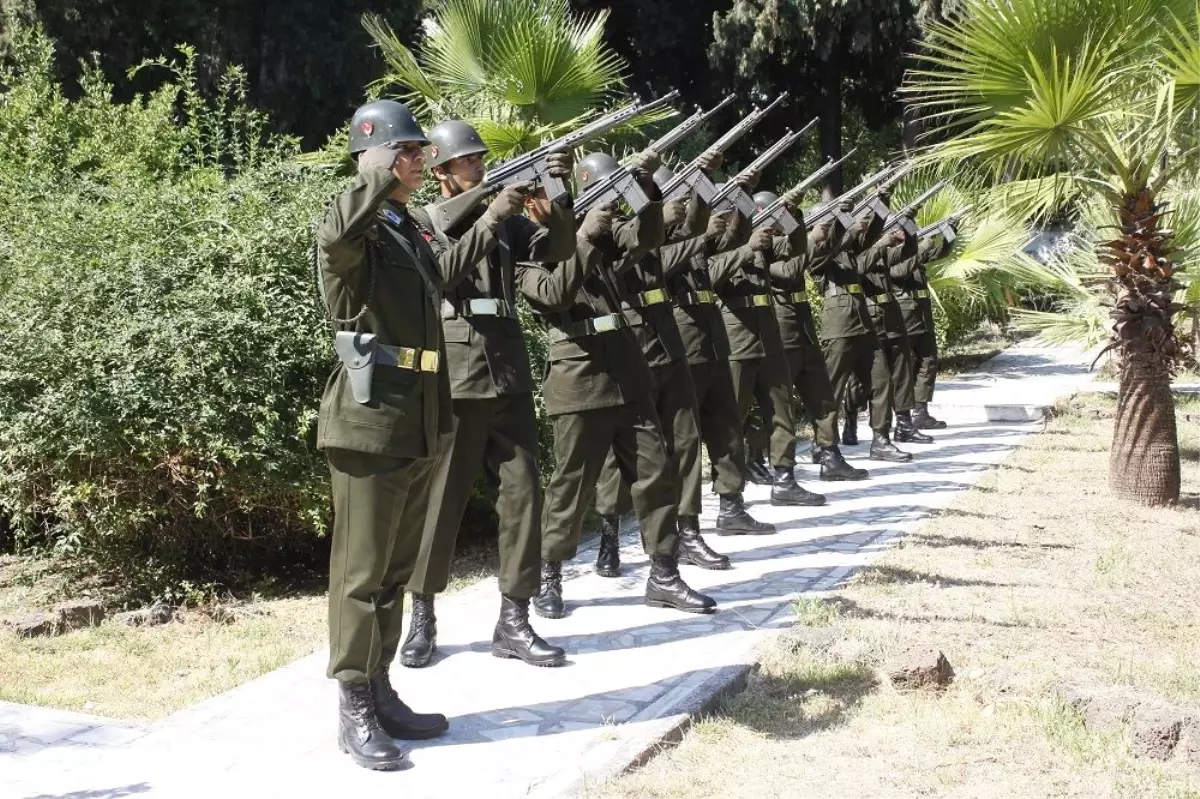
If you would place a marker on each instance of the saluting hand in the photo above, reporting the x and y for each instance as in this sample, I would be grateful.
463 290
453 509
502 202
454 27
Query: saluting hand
598 222
380 156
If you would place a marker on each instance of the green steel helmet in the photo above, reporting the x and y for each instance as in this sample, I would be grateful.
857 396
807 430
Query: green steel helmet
593 167
453 139
383 122
764 198
663 176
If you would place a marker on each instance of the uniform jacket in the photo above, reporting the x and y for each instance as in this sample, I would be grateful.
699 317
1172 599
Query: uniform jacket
742 273
844 314
601 370
909 278
796 327
361 263
486 355
886 317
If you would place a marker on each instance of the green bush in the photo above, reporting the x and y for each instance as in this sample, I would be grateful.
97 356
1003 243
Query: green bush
163 352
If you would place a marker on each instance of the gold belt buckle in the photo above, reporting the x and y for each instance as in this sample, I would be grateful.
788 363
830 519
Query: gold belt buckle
605 324
762 300
485 307
704 297
922 294
854 288
406 357
654 297
800 297
430 360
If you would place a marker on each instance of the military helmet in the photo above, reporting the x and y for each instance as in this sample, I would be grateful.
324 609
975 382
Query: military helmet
663 175
383 122
453 139
594 167
764 198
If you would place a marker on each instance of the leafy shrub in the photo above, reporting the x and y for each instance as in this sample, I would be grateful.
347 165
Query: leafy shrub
163 352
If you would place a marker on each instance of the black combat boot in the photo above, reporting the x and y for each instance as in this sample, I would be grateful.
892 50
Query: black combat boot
359 732
785 491
421 642
398 719
814 453
732 518
924 421
756 468
850 430
549 601
514 636
666 589
882 449
692 549
834 467
608 561
907 432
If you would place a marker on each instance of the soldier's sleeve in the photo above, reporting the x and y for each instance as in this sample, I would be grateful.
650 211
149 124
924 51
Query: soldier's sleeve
695 222
787 270
679 255
903 269
638 236
553 290
859 235
465 255
552 243
737 234
341 235
872 258
722 267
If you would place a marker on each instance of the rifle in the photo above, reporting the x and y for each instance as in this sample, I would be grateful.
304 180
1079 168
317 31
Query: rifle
817 214
777 213
671 138
904 216
945 225
731 194
892 180
531 166
690 178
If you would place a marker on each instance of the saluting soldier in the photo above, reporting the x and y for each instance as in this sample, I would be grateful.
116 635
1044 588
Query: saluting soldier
848 334
806 365
912 293
890 328
740 278
494 424
384 408
597 389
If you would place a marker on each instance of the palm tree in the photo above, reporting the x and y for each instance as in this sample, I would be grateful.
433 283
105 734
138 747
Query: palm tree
520 71
1086 101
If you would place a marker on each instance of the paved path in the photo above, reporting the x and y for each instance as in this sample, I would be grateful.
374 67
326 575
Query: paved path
635 673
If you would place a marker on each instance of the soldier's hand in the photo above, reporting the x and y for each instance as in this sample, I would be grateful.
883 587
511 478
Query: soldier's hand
559 165
509 202
644 164
748 181
598 222
381 156
710 161
674 212
718 224
846 206
885 195
762 239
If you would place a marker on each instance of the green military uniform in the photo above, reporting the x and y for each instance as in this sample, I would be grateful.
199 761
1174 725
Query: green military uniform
894 352
847 333
646 304
494 423
912 295
597 389
381 453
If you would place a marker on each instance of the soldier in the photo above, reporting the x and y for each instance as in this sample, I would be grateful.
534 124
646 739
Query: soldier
806 365
382 412
890 329
912 293
848 334
597 389
673 390
494 424
740 278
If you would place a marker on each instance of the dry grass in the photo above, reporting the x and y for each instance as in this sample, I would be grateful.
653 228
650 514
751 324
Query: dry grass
147 673
1035 578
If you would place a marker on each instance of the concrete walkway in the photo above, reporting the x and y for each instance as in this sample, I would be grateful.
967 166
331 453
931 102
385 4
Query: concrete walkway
635 673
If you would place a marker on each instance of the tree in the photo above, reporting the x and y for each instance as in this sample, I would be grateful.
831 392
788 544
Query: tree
827 53
307 64
518 70
1094 99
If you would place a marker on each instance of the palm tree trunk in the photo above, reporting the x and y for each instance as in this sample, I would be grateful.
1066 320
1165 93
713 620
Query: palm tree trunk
1143 465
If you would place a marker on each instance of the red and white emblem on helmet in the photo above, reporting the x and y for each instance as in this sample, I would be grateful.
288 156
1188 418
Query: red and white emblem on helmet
433 151
367 128
584 175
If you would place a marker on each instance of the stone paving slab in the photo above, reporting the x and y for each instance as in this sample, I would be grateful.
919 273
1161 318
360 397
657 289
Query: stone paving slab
636 674
1021 384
